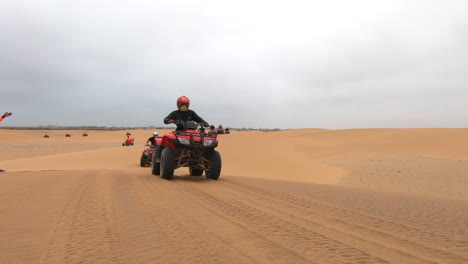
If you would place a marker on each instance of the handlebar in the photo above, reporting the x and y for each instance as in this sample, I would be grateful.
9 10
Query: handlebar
184 123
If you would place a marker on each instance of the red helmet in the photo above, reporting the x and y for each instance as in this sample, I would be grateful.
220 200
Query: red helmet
183 101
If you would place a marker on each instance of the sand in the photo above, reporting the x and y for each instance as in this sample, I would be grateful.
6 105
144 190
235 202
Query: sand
294 196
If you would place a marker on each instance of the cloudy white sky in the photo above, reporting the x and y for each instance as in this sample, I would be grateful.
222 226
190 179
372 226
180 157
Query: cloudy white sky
270 64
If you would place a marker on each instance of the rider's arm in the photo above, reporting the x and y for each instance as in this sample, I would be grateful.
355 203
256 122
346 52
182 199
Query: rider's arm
198 119
149 141
170 118
5 115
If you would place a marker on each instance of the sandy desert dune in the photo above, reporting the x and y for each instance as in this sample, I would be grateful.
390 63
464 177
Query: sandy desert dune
293 196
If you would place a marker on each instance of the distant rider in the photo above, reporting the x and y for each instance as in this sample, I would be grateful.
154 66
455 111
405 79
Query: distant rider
183 114
152 139
129 140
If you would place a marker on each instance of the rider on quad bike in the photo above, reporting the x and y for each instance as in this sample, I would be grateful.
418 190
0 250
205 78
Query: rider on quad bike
183 114
212 131
220 130
128 141
147 154
152 139
187 147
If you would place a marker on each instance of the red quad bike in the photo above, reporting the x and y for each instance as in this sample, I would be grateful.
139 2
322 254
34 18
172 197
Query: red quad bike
127 142
189 148
147 154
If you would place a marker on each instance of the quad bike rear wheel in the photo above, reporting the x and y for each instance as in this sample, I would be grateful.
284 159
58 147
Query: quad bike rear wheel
215 167
167 163
143 160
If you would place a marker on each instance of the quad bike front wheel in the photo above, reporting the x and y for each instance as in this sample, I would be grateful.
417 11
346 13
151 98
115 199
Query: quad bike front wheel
167 163
215 166
155 166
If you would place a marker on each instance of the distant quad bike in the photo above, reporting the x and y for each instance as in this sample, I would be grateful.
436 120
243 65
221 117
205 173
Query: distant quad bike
212 131
226 131
220 130
128 142
190 148
46 136
67 135
85 135
147 154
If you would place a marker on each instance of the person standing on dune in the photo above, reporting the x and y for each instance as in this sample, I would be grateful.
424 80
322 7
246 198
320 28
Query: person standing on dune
5 115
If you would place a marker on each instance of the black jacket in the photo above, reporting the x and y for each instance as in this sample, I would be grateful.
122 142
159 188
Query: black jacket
152 140
188 115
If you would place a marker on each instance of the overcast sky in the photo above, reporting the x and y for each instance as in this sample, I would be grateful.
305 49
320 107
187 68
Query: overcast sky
269 64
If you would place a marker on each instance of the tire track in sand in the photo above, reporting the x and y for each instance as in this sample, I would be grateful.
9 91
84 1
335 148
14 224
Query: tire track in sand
184 235
432 241
135 217
86 231
287 233
424 244
266 233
